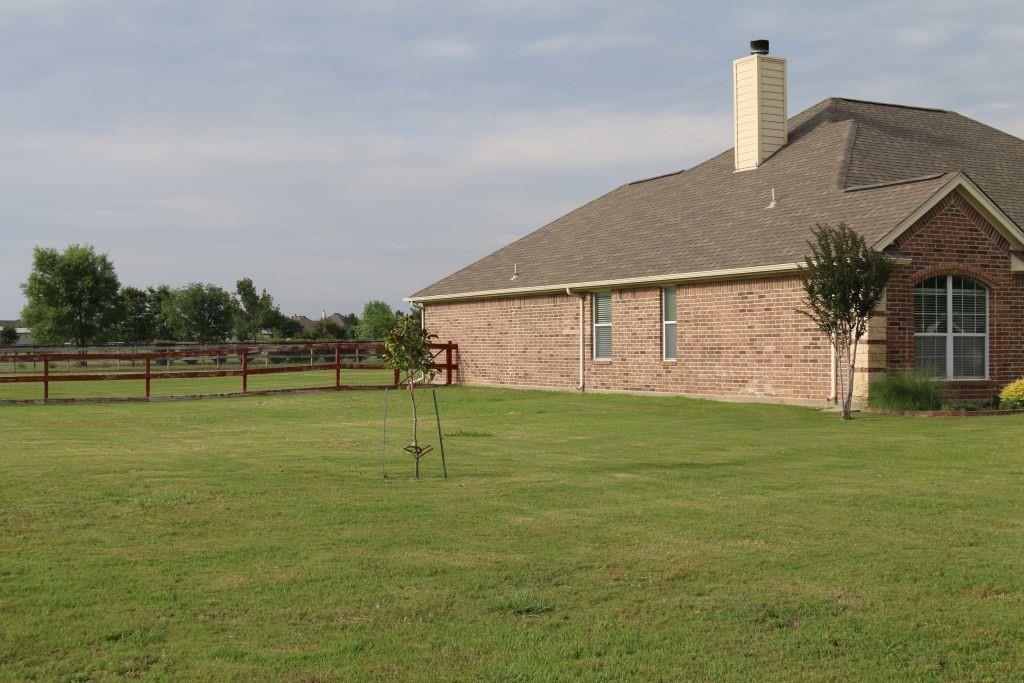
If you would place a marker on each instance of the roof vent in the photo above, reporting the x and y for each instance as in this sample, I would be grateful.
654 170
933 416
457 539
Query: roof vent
759 47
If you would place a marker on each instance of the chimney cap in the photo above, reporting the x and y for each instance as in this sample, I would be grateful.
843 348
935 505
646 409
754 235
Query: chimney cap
759 47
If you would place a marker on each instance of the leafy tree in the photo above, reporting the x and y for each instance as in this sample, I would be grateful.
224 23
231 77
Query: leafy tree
282 326
9 336
255 312
416 314
138 319
407 350
155 299
351 322
326 329
377 320
198 312
844 280
72 296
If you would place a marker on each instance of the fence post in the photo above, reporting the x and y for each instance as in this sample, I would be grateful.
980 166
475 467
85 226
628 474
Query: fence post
46 378
337 366
448 362
149 375
245 370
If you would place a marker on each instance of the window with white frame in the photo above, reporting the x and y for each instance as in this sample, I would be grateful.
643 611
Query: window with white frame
951 328
602 313
668 323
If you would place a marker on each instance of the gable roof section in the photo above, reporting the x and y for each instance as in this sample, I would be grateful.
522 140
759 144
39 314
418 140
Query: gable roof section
869 165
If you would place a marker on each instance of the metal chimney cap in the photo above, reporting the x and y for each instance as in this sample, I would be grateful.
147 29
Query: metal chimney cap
759 47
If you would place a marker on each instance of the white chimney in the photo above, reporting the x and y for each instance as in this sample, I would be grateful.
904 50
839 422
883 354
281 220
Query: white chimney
759 106
323 314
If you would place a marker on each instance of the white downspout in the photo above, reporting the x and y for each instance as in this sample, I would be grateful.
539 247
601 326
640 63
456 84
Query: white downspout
833 395
583 343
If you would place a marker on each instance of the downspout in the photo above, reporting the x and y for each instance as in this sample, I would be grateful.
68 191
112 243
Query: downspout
583 342
833 395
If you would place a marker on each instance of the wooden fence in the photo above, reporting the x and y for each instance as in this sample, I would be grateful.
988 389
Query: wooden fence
316 367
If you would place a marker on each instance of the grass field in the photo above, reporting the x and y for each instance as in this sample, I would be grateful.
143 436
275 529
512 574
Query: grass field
597 537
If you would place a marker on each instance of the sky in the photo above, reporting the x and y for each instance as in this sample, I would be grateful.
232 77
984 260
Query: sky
337 152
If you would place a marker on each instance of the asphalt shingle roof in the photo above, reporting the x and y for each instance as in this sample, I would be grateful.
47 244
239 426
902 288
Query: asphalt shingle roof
866 164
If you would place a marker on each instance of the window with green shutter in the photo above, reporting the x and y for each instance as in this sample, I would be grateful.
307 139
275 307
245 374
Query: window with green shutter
602 312
668 323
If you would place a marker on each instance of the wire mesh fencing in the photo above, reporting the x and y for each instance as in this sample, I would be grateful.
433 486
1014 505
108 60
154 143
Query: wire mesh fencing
147 374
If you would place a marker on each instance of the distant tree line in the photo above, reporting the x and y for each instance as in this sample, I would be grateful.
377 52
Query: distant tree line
74 296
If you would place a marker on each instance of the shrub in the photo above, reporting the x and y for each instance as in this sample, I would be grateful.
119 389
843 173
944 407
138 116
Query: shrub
906 391
1012 395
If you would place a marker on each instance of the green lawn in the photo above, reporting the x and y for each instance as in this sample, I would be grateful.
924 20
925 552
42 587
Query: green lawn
598 537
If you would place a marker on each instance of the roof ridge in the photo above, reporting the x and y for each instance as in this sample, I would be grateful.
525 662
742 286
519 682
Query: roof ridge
846 154
893 104
891 183
656 177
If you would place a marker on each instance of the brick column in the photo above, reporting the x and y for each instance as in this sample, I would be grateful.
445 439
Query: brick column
871 355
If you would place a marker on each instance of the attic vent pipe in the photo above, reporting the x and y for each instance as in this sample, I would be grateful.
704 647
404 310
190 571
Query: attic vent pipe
759 47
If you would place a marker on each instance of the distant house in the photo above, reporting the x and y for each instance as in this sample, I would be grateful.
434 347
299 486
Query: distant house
688 282
338 319
306 323
24 333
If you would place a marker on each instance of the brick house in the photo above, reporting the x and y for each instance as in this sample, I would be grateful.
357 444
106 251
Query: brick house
687 283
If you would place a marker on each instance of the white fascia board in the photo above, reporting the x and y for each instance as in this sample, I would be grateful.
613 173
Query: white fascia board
970 191
724 274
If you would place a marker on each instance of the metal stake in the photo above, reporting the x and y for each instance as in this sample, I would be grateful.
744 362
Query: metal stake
384 441
440 436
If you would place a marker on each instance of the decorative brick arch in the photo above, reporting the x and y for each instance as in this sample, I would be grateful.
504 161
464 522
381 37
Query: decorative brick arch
952 269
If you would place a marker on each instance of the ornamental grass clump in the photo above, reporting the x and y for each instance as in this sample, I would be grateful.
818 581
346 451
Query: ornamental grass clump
906 391
1012 395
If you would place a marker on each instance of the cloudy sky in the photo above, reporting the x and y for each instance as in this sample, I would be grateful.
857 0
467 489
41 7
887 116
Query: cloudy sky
341 151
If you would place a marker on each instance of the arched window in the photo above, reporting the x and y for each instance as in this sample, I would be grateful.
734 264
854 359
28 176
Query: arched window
951 328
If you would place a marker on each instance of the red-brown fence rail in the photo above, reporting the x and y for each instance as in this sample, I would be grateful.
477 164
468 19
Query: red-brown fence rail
103 376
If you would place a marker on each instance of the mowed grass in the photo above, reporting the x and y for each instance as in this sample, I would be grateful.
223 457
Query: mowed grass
579 537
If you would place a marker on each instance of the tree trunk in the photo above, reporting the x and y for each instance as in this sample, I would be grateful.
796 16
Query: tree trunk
851 368
415 424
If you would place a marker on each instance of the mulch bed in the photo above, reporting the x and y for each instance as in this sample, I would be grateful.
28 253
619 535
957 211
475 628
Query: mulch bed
946 413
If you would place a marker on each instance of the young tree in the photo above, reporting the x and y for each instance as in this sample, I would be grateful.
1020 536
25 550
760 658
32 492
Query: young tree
8 335
72 296
844 281
376 321
202 313
255 310
407 350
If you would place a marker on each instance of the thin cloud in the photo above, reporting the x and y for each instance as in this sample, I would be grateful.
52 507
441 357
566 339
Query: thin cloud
447 49
585 43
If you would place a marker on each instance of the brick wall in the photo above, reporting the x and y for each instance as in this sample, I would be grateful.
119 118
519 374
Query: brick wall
741 338
735 339
522 341
953 238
